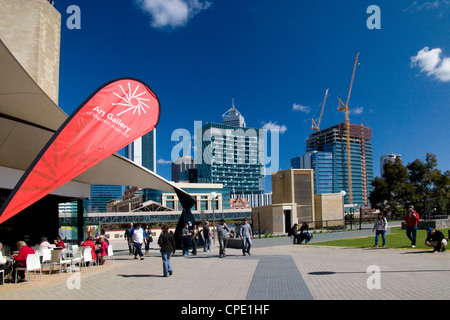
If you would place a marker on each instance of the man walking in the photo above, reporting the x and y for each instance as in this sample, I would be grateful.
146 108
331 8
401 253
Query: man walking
167 243
246 236
207 235
222 234
412 221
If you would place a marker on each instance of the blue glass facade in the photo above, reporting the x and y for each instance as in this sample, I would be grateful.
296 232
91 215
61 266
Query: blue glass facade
233 157
100 195
332 140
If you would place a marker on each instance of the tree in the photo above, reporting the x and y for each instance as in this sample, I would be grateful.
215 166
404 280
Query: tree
431 187
393 190
419 183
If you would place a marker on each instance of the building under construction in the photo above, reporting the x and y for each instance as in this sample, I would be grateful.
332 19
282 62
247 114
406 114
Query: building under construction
334 140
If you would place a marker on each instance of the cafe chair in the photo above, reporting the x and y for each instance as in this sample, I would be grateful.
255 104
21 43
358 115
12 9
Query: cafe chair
77 256
87 257
110 252
58 259
46 256
33 263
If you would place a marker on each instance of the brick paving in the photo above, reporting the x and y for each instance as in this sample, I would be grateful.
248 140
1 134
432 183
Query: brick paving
274 271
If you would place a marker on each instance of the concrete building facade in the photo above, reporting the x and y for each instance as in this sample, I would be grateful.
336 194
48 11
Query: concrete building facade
35 41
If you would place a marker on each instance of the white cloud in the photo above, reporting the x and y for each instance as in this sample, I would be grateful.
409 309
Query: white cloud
298 107
428 5
274 126
356 110
431 63
172 13
162 161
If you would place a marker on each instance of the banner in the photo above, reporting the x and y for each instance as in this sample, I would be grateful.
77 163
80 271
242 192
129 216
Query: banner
115 115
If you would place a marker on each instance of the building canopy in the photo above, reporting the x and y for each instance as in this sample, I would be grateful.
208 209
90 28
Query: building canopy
29 118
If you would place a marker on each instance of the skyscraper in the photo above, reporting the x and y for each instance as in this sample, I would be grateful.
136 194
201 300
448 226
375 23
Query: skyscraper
233 117
231 154
385 158
322 164
333 140
143 151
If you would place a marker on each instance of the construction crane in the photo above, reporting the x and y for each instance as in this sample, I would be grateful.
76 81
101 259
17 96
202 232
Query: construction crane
316 126
345 107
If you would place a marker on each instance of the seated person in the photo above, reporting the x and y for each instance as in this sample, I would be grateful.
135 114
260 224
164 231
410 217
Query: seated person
102 250
91 244
20 260
5 265
294 234
304 233
435 239
44 243
59 243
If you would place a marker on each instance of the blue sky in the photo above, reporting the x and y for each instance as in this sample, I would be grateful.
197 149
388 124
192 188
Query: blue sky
276 59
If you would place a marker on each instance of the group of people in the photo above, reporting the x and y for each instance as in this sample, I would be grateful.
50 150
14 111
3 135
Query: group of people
300 234
136 236
99 249
435 238
191 236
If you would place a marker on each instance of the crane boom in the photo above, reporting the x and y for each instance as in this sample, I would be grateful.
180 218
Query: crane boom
345 107
317 126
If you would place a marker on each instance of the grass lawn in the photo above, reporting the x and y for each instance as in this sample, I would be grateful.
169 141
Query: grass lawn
396 239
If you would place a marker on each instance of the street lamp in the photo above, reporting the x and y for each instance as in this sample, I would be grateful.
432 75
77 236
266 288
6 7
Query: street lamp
213 196
343 193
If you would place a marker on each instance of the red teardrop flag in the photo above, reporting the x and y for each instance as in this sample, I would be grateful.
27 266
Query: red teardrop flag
116 114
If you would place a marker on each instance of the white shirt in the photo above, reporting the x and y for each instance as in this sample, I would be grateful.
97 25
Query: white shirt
138 235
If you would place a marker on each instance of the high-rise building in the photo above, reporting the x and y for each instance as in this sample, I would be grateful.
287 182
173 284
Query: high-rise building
333 140
322 164
100 196
143 151
232 155
385 158
233 117
181 164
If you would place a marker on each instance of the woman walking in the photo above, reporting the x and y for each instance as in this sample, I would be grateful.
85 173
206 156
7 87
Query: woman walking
167 243
380 226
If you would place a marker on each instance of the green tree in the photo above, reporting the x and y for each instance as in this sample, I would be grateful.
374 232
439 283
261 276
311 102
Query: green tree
419 183
393 190
431 187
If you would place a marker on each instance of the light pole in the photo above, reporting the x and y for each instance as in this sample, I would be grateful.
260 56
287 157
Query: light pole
213 196
343 193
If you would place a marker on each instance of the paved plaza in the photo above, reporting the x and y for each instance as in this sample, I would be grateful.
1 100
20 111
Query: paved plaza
276 270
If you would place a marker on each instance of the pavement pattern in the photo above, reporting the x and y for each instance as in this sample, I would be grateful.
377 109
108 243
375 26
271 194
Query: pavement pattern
276 270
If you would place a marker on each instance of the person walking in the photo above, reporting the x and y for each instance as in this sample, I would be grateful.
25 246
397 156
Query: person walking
246 237
194 238
412 221
166 241
207 235
222 235
127 237
186 239
436 239
137 236
380 227
148 238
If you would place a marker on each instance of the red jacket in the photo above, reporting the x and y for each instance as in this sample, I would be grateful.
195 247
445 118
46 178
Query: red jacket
21 257
411 221
89 243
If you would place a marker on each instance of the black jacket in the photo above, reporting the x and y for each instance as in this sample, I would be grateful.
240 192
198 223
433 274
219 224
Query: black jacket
167 242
